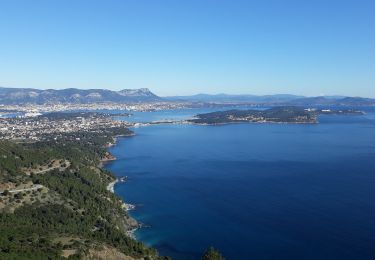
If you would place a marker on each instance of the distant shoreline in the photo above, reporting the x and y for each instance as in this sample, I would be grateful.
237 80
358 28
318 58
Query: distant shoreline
255 123
275 115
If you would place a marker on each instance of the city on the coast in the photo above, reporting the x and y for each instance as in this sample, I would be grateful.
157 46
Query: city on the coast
187 130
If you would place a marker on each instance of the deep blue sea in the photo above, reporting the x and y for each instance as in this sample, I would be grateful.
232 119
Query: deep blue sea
253 191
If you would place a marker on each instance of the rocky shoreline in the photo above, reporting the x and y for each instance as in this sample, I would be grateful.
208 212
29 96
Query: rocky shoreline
133 223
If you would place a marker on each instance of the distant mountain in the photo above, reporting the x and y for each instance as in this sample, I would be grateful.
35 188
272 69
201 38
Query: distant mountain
310 101
331 101
84 96
356 101
72 95
279 98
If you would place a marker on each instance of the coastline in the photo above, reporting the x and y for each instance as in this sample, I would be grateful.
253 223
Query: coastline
126 207
111 188
255 123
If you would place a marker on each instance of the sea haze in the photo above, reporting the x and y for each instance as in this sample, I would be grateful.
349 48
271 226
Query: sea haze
254 191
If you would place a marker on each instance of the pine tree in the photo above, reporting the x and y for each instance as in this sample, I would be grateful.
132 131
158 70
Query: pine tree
212 254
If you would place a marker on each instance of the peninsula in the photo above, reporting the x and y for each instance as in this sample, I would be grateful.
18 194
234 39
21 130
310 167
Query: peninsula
54 196
287 114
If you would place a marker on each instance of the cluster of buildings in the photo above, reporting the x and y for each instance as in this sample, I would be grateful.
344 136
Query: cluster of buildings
35 108
35 128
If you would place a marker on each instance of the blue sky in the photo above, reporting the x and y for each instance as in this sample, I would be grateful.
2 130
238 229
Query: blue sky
177 47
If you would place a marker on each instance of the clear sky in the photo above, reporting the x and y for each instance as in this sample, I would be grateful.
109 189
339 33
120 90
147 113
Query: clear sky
179 47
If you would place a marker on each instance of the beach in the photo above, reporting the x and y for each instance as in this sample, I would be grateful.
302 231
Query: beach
126 207
111 186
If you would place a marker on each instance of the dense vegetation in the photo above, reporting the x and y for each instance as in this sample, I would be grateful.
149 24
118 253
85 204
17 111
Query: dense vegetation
287 114
212 254
276 115
74 211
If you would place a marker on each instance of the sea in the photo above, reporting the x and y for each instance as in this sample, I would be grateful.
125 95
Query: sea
252 191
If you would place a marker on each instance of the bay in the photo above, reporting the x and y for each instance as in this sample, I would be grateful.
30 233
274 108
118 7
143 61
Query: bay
254 191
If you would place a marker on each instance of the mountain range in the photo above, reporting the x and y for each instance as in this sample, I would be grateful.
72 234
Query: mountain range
73 95
279 99
84 96
236 98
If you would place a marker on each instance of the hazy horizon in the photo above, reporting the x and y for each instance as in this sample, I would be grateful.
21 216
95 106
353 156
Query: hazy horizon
198 93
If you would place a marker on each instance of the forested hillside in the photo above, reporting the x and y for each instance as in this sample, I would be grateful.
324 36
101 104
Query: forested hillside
54 202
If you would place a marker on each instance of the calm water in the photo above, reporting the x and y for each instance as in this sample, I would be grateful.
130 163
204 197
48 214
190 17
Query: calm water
254 191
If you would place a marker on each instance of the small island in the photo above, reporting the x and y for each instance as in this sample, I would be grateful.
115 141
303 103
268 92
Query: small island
289 114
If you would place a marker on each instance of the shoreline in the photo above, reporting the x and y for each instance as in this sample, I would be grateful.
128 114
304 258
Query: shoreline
254 123
188 122
111 188
126 207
